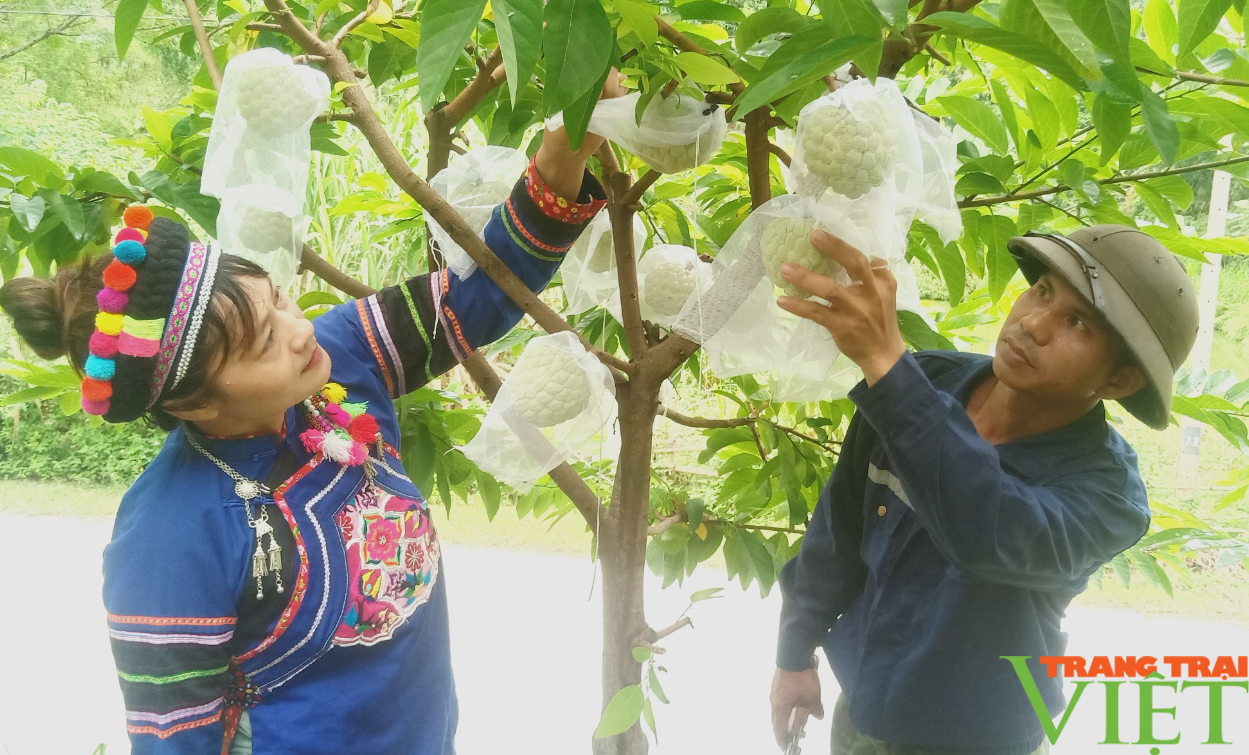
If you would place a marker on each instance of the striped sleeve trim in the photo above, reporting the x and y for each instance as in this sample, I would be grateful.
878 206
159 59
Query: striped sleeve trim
366 323
174 621
164 719
526 239
438 287
420 326
171 678
166 733
169 638
384 333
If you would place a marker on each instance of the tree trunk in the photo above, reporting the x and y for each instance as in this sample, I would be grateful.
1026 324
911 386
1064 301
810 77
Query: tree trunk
622 556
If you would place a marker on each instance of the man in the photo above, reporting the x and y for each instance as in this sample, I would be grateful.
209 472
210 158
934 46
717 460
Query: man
974 496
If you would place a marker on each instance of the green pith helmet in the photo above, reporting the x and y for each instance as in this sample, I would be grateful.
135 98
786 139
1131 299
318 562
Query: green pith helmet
1139 288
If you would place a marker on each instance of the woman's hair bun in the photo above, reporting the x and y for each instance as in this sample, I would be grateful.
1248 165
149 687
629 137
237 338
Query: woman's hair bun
56 317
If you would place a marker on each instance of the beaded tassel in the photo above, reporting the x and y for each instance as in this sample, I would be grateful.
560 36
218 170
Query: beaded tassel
275 562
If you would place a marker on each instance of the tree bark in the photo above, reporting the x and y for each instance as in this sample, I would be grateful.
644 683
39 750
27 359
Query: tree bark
622 555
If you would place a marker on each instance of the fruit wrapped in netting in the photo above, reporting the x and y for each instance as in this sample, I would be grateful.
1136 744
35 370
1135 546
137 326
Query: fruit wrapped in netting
676 133
557 404
249 227
858 147
738 321
474 183
669 275
260 133
589 270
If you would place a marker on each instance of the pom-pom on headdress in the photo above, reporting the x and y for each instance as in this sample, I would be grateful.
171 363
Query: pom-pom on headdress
156 292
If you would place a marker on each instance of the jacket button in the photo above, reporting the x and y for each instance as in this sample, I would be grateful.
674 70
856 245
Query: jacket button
880 511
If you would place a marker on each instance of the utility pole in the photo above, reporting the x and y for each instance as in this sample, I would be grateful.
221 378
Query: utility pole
1207 300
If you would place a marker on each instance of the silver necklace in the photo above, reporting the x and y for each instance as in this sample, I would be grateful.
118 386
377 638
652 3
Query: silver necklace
264 560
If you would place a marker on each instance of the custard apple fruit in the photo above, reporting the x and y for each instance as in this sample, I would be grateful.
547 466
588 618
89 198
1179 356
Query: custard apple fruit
551 388
850 152
789 240
476 201
682 157
264 230
274 100
667 286
602 257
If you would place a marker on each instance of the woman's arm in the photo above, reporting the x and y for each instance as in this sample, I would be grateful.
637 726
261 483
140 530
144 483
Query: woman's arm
422 327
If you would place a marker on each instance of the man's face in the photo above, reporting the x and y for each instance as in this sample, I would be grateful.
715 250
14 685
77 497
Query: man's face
1055 346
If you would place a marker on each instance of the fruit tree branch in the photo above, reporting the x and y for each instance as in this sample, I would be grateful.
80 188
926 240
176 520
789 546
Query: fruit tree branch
621 214
52 32
703 422
634 194
1199 77
351 25
1116 179
205 46
397 167
317 265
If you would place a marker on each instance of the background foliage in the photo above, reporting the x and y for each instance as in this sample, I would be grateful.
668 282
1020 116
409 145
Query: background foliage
1067 112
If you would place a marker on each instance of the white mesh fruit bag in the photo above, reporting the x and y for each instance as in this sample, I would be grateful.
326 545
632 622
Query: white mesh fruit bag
739 322
858 147
936 203
249 228
558 403
260 133
676 133
669 275
589 269
474 183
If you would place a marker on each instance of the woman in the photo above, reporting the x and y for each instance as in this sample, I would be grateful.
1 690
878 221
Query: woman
274 580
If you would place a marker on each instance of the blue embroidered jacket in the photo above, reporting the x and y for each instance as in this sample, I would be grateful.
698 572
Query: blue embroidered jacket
931 553
355 656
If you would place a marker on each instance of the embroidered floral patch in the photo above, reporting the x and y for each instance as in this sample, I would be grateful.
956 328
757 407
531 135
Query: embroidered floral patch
392 562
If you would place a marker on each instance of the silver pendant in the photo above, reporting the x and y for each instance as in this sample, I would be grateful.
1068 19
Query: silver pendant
247 489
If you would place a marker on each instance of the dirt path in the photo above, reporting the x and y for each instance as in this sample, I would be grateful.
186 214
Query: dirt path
525 643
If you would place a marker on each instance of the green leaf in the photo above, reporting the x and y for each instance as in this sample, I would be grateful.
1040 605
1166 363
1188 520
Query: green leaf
1006 106
649 714
126 21
760 559
40 169
158 127
1049 22
918 334
518 24
656 687
708 594
103 182
578 40
893 11
1161 127
1113 121
37 393
995 232
1198 20
577 115
623 710
1161 29
801 58
642 655
705 70
68 210
979 119
1108 23
1022 46
491 496
445 27
28 211
704 10
765 23
1044 117
71 403
1157 204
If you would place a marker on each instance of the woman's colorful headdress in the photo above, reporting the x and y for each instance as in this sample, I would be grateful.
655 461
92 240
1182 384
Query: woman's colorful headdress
140 340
